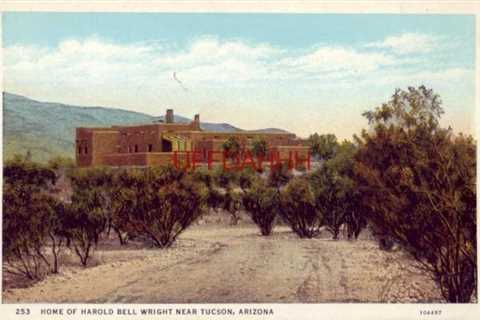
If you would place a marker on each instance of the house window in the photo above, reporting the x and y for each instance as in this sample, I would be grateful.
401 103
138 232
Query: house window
129 149
86 150
136 148
79 150
150 148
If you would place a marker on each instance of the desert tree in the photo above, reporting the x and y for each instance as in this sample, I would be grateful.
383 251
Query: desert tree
331 198
232 148
57 233
207 179
161 203
246 178
261 202
336 192
279 175
87 214
418 181
227 181
323 146
60 162
27 212
298 208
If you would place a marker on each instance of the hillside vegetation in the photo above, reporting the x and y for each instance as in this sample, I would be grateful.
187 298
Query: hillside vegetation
48 129
410 181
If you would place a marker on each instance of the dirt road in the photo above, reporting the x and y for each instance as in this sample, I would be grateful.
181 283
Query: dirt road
235 264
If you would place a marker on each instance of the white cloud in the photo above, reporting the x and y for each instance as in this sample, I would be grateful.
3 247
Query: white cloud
206 61
408 43
335 62
228 75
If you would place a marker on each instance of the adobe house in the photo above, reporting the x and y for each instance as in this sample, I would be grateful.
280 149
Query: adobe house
159 142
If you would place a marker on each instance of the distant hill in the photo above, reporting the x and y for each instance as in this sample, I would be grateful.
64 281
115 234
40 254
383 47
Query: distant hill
269 130
48 129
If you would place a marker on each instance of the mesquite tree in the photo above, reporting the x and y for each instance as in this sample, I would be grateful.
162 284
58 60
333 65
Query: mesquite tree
160 203
261 202
227 180
298 208
26 216
279 175
232 148
418 181
323 146
87 214
336 192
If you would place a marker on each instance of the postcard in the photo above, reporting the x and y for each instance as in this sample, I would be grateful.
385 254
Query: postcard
204 161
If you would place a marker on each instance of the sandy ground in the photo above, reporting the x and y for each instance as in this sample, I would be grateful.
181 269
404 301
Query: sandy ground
219 263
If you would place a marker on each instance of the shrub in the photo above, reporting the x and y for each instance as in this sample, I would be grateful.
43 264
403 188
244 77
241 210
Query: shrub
27 215
261 202
279 175
160 203
231 203
336 192
323 146
225 178
214 198
87 215
298 208
61 163
232 148
246 178
418 181
226 197
54 222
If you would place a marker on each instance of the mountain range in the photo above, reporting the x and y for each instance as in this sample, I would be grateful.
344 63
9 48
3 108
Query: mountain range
47 129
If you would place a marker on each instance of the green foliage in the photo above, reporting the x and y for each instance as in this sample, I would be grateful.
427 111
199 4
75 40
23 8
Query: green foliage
232 148
225 178
331 196
28 174
261 202
231 203
214 198
336 192
279 175
259 147
159 203
87 215
418 181
28 213
48 129
60 162
323 146
223 194
246 178
298 208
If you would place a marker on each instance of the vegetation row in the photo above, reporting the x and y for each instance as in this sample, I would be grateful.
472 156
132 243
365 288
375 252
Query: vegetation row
409 180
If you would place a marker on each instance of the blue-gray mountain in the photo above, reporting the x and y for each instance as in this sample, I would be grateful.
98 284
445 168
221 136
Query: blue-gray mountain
48 129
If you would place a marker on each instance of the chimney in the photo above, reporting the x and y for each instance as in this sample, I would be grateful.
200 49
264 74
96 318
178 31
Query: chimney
197 119
169 116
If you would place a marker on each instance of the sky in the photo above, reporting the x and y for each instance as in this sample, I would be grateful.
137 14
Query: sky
304 73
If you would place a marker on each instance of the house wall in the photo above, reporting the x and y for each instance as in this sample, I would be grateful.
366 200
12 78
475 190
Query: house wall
142 145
